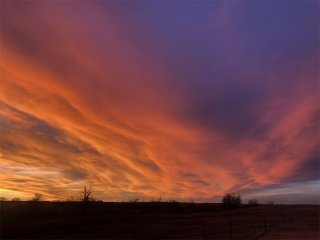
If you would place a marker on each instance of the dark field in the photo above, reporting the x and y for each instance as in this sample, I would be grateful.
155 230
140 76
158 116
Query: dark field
165 220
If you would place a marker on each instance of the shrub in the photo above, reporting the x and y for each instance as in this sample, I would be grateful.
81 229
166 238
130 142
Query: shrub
191 205
253 202
71 199
16 199
270 203
174 207
38 197
3 199
231 201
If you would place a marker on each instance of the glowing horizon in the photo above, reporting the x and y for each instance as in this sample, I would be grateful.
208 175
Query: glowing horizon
181 100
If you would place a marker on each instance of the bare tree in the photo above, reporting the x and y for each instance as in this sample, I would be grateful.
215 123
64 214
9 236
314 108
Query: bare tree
86 194
38 197
3 199
270 203
71 199
253 202
191 205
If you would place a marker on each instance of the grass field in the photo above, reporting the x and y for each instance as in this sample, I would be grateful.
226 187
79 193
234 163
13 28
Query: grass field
50 220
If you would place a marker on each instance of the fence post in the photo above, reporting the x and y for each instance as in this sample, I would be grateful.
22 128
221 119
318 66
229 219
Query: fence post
204 236
230 229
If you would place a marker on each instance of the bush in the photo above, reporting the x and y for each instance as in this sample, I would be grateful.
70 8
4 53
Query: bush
38 197
231 201
253 202
71 199
16 199
270 203
174 207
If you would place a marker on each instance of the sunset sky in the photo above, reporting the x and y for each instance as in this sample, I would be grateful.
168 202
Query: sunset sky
183 100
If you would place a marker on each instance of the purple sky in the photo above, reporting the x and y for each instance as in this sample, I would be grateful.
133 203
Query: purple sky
184 100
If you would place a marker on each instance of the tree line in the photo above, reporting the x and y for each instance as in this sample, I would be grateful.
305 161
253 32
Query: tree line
229 200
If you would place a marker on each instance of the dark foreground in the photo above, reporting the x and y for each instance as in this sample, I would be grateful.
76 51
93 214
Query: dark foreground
157 221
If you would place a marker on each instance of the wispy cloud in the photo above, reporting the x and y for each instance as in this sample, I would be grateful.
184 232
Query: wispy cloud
136 106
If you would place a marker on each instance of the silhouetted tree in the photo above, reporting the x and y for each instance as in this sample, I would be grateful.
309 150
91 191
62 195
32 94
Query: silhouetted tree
270 203
86 194
71 199
38 197
253 202
16 199
191 205
231 201
3 199
174 207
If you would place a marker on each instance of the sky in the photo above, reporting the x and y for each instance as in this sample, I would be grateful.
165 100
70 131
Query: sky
183 100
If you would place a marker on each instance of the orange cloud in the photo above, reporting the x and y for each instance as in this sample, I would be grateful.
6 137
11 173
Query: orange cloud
79 110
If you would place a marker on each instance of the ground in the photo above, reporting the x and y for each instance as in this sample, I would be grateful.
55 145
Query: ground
262 222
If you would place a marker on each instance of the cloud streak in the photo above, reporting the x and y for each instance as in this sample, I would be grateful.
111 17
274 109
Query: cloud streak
94 93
